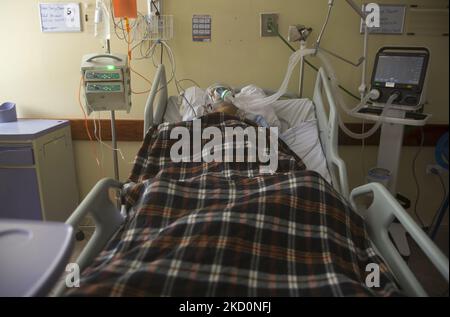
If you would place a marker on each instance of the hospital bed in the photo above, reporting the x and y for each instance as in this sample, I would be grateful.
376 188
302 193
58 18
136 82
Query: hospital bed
378 214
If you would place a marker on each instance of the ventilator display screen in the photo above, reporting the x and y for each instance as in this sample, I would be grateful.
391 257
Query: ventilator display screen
400 70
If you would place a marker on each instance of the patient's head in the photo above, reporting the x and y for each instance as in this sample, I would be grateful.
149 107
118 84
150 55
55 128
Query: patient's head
227 108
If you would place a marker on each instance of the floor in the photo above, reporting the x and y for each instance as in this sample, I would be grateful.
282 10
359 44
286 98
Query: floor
79 246
427 275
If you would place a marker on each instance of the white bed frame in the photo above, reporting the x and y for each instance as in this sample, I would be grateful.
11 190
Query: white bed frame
378 216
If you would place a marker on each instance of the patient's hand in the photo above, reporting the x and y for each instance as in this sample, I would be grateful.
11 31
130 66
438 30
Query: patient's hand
227 108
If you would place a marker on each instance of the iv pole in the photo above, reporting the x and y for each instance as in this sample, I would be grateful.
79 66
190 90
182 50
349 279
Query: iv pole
101 6
113 114
113 129
357 9
362 61
363 15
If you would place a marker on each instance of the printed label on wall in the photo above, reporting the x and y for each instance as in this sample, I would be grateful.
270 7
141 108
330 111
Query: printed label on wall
201 28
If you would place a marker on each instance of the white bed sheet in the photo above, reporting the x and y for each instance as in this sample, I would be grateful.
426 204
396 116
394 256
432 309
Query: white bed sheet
299 128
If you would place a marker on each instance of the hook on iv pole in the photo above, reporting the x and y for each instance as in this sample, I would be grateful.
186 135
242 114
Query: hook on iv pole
357 64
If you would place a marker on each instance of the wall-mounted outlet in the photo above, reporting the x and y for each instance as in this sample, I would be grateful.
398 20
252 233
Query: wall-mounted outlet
269 24
435 170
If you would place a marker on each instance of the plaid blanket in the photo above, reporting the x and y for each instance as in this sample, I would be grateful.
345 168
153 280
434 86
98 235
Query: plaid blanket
224 229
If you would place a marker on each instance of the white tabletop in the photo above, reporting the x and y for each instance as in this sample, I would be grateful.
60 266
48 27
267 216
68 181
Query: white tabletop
32 256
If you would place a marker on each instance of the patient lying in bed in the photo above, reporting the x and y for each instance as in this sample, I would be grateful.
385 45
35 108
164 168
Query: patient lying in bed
295 120
232 110
227 108
225 229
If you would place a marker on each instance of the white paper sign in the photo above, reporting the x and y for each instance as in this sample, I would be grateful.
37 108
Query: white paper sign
392 20
60 17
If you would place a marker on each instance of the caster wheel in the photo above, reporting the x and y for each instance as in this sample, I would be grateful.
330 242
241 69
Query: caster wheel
79 236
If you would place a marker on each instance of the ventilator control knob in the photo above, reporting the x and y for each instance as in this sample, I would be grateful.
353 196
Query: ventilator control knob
375 94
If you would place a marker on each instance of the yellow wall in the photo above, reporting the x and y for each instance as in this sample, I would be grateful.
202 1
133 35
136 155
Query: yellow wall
40 71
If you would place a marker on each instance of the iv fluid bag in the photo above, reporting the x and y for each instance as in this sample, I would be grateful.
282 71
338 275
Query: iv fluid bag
102 30
125 9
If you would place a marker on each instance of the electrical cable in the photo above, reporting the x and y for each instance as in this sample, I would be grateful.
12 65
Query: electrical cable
363 152
156 8
445 195
149 52
172 61
182 92
444 188
100 141
171 56
414 172
94 151
102 157
190 80
141 34
143 77
98 137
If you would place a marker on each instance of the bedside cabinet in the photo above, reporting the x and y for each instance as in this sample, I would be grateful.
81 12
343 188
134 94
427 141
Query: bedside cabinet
37 171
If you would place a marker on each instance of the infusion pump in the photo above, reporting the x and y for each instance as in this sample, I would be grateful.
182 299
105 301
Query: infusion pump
106 79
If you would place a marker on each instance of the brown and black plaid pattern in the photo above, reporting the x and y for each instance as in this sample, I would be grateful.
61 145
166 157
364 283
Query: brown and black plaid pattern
222 229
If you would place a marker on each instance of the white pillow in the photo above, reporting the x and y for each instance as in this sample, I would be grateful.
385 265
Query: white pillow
304 140
293 111
192 103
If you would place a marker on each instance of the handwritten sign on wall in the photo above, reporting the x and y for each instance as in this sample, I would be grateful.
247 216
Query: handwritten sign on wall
60 17
392 20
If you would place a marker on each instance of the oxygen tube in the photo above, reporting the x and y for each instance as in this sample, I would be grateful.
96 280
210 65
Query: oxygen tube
340 101
249 103
293 61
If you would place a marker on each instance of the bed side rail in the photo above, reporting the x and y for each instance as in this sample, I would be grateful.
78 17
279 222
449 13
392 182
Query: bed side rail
106 215
329 132
107 219
152 117
379 217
